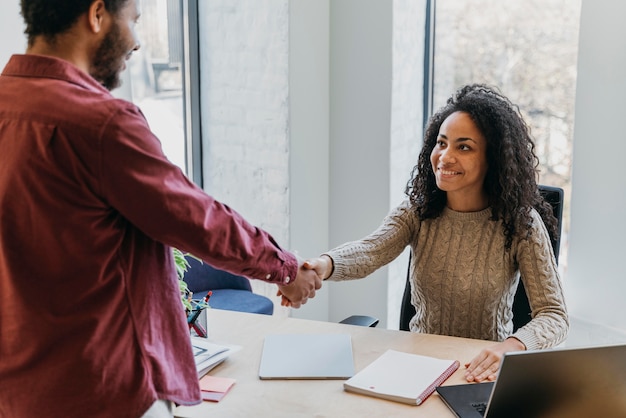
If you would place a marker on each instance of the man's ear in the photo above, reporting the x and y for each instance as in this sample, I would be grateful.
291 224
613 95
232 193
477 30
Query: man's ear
97 13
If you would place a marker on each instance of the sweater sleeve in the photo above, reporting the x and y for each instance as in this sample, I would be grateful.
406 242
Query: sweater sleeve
358 259
539 273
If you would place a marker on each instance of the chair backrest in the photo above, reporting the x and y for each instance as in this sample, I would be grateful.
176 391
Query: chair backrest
203 277
521 307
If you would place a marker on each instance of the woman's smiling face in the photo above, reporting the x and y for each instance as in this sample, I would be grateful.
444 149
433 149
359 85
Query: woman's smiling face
459 161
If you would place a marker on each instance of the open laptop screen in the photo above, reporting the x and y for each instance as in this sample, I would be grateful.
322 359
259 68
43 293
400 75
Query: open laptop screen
580 382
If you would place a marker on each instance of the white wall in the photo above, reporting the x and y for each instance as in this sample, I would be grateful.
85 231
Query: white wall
309 43
13 39
409 18
596 277
339 94
360 113
244 93
355 94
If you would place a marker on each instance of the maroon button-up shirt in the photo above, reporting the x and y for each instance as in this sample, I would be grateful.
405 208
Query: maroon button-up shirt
91 322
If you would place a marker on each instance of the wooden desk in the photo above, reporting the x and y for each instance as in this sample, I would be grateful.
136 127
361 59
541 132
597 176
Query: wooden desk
252 397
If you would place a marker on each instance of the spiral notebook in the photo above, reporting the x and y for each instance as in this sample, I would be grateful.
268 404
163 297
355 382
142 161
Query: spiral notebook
401 377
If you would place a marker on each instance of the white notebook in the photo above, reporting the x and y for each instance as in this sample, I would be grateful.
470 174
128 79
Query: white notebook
307 356
401 377
208 354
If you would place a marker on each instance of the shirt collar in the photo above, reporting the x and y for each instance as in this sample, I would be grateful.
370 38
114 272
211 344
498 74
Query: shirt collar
43 66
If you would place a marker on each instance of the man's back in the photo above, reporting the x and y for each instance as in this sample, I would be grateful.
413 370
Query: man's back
91 320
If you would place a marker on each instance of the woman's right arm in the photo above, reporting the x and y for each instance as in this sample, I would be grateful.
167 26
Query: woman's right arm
358 259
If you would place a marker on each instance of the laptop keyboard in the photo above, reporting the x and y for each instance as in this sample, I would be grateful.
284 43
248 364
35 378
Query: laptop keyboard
481 407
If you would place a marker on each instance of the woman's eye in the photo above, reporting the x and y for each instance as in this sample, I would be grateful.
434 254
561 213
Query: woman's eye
464 147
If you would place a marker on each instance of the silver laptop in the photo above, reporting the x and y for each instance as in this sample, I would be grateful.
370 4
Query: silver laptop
307 356
572 383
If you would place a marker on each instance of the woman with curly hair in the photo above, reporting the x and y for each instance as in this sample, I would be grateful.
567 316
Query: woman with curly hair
474 220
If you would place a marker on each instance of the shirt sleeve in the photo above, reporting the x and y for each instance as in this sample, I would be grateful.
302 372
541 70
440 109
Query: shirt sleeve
149 191
539 273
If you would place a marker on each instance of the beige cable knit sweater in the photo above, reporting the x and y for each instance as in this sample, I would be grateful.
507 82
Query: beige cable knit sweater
463 279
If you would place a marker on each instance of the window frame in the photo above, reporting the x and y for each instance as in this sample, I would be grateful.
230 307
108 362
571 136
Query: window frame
191 91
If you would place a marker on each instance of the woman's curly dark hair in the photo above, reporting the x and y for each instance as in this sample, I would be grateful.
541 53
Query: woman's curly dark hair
510 183
51 17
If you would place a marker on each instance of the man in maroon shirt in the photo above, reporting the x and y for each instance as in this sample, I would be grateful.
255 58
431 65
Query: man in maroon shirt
91 323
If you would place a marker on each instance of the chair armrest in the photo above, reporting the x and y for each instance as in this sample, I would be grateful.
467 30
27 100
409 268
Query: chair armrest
360 320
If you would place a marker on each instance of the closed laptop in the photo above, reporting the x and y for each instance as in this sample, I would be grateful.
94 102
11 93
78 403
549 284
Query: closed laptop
307 356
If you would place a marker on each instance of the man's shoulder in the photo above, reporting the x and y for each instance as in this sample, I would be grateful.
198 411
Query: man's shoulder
51 89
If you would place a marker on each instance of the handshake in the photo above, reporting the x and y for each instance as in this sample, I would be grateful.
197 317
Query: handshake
311 272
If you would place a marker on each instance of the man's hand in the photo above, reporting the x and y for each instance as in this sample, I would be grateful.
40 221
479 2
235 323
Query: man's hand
296 293
486 364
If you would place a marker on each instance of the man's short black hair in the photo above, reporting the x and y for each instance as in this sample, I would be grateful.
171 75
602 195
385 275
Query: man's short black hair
52 17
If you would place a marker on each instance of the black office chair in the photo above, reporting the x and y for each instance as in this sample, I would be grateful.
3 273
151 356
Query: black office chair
229 291
521 306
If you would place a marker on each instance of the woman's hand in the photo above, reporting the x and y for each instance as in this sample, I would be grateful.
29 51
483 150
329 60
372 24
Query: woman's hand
323 266
486 364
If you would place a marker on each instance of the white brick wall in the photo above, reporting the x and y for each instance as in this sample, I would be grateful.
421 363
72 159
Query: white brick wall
244 82
244 90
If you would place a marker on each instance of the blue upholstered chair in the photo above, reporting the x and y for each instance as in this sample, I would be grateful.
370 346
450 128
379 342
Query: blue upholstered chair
230 292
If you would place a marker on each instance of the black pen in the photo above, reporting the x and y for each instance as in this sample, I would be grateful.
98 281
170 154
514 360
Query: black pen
191 319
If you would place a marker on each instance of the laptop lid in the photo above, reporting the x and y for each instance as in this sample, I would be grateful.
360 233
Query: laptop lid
579 382
307 356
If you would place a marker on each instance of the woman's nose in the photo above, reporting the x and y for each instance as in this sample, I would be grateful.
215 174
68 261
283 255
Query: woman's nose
446 156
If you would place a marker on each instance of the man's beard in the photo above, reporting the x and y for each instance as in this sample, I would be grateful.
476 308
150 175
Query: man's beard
106 63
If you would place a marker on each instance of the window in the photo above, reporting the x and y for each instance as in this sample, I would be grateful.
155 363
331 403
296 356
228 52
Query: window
528 49
156 73
236 66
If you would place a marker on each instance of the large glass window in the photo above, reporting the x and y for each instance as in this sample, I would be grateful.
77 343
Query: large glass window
528 49
156 75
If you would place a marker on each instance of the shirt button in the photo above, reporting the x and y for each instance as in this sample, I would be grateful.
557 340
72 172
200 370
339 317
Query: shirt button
269 276
287 279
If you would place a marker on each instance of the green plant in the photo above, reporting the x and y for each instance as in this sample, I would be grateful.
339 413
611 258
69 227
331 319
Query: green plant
182 265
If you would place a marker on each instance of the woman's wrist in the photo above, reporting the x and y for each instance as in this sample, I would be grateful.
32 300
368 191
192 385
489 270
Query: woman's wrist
515 344
330 266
